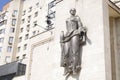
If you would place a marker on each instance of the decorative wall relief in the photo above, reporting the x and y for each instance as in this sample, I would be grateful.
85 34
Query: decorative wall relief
71 44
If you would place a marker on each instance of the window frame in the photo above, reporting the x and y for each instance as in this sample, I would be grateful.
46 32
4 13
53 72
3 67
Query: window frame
9 49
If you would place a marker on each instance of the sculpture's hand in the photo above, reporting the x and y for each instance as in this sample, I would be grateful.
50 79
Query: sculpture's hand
84 29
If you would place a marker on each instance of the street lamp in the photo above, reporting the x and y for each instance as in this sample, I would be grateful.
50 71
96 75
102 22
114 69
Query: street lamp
46 29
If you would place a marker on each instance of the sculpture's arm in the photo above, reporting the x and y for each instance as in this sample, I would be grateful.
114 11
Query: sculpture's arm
82 30
83 34
84 37
79 22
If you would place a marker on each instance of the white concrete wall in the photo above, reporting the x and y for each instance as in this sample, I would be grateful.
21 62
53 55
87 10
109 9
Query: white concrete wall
117 54
46 56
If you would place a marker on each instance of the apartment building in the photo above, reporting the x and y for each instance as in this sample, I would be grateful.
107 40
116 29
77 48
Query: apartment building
24 19
34 20
37 18
30 20
9 23
9 19
2 24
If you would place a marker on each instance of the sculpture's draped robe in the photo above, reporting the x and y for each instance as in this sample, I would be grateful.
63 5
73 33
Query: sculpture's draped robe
71 45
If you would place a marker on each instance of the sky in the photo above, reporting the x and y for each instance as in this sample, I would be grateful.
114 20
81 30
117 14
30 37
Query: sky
2 3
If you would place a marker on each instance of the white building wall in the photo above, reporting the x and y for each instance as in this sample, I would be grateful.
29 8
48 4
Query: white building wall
41 21
46 56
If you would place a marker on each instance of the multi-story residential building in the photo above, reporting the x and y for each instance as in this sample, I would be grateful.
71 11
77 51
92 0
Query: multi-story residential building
30 44
2 32
9 24
22 24
9 19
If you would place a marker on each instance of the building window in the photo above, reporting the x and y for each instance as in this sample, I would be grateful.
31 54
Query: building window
3 22
20 39
37 4
25 46
30 9
1 40
26 36
10 40
29 18
3 16
0 18
51 4
13 22
14 13
36 14
18 49
2 31
51 14
0 49
23 21
17 58
21 29
24 55
9 48
12 30
35 23
7 59
24 12
28 27
34 32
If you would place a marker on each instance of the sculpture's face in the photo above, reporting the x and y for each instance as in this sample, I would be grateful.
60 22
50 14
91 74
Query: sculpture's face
73 11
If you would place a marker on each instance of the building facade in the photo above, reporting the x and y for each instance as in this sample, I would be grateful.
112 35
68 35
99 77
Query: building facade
9 22
30 39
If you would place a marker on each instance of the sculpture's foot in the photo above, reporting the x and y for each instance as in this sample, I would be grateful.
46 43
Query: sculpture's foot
74 73
70 67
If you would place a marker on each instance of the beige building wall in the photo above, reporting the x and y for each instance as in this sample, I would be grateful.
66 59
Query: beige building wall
117 54
114 39
27 24
2 27
114 27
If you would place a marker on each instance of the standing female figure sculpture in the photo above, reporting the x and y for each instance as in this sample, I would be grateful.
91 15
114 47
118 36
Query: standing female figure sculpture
71 43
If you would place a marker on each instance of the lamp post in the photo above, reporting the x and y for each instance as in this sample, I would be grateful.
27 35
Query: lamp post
44 28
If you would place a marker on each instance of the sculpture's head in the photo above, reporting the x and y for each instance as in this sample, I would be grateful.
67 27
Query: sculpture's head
73 11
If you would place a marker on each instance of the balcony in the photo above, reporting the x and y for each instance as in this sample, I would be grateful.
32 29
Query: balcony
10 70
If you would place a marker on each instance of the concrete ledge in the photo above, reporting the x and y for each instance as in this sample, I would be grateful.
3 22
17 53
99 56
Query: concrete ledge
113 6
